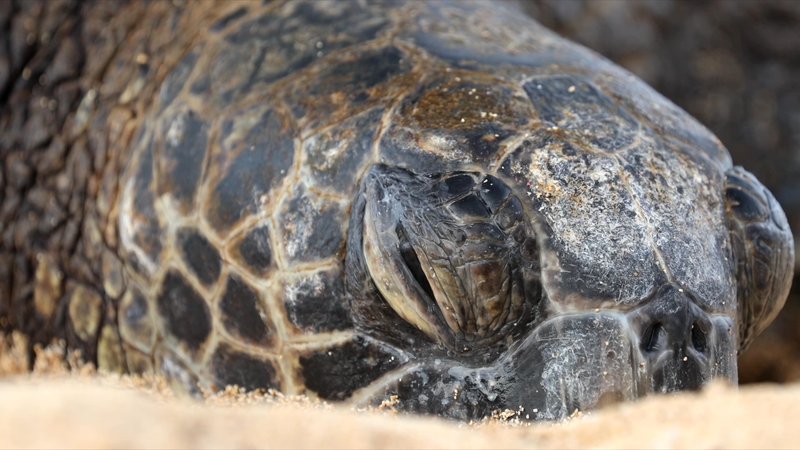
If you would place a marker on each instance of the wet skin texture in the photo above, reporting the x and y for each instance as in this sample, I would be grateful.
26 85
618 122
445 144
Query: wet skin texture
444 202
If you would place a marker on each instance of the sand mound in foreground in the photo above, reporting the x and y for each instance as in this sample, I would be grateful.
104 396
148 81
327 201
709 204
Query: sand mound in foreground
59 412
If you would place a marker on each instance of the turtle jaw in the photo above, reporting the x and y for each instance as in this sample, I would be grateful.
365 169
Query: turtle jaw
583 361
577 361
572 362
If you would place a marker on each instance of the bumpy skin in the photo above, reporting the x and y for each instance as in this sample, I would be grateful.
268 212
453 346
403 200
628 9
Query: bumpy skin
735 66
444 201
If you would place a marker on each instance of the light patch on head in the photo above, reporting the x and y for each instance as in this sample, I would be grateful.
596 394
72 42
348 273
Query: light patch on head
601 242
128 228
176 131
437 143
312 284
300 225
330 155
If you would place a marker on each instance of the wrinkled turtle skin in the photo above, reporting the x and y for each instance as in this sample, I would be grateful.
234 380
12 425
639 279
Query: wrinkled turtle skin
444 202
735 66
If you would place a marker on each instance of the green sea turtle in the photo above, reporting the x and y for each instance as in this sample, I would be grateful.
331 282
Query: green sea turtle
440 201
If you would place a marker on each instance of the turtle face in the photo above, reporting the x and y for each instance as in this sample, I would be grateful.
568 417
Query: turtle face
478 288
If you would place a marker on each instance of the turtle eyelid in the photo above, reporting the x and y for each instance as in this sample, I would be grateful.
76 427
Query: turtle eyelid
411 260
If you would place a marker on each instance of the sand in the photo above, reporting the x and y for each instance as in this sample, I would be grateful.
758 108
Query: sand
61 407
83 413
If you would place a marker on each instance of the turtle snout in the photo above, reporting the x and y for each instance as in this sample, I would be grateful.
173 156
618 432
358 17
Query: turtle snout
681 346
676 349
684 333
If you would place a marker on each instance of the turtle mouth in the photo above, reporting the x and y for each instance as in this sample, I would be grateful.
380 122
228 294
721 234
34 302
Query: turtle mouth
579 361
590 360
586 360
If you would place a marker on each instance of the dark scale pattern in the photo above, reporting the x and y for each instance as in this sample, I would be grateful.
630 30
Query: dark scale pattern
242 314
175 81
361 73
354 83
311 228
667 121
230 73
337 372
254 250
264 50
290 42
135 320
459 184
316 303
487 40
494 192
574 104
180 162
199 255
336 155
234 368
255 164
148 228
185 314
470 206
232 17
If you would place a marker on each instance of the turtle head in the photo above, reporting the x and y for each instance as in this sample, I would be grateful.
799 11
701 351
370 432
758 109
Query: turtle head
503 303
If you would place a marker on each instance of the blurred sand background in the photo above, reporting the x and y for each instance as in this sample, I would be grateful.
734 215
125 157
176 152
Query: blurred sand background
62 407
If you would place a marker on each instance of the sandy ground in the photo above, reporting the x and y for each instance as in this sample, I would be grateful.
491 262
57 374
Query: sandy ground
71 413
58 407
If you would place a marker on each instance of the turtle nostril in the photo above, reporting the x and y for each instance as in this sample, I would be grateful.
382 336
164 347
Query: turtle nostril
699 341
651 337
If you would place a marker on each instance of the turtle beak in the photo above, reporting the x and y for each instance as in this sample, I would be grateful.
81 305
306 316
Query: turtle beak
583 361
680 346
573 363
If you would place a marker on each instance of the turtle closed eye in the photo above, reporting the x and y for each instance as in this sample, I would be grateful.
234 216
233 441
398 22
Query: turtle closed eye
437 257
410 258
